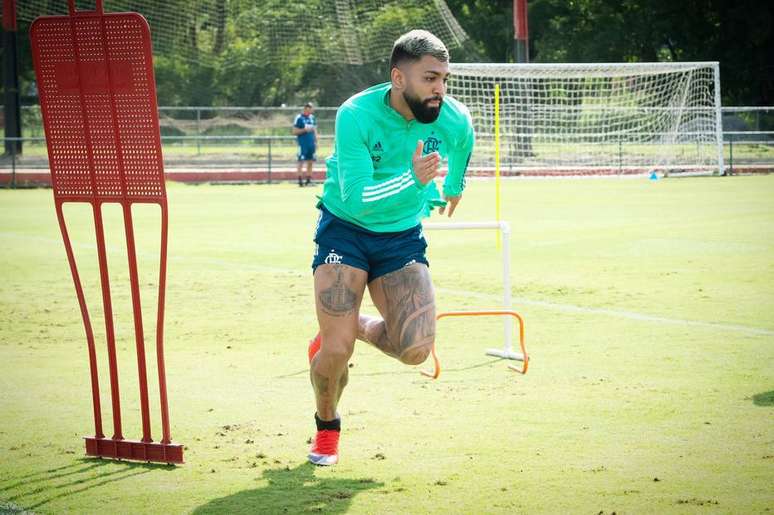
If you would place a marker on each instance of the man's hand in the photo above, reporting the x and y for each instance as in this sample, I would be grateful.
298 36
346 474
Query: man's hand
425 168
451 204
310 128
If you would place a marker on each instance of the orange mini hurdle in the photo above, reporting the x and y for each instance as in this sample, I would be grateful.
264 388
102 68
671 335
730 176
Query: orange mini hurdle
506 351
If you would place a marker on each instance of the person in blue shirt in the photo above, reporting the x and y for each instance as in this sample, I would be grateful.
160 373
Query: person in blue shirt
305 131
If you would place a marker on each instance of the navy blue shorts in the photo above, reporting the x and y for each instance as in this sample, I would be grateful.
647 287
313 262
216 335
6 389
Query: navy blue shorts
307 152
378 253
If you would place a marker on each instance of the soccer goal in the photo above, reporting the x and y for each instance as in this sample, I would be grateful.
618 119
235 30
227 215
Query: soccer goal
581 119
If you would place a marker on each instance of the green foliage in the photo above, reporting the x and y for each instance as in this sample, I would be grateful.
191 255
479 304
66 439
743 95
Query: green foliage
233 52
489 23
229 129
738 34
171 130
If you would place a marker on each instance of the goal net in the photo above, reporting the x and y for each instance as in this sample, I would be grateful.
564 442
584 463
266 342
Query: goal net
236 33
578 119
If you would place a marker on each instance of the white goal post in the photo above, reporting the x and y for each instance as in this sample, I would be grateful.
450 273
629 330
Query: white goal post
600 118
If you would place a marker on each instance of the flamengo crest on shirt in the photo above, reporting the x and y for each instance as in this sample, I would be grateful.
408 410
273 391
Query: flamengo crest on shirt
432 144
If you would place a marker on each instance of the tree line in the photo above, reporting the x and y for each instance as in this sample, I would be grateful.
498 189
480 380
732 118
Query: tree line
215 58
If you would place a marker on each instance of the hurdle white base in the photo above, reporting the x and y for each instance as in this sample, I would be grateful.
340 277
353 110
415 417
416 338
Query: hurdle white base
507 354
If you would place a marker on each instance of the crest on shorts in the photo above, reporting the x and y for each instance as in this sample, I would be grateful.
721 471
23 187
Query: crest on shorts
332 258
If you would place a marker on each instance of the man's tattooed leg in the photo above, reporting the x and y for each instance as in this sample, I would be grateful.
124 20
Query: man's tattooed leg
406 299
338 292
338 299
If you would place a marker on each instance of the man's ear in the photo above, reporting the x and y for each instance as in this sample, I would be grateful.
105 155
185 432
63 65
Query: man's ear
397 78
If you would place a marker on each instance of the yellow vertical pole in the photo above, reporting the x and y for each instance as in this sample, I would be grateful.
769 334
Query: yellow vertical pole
497 155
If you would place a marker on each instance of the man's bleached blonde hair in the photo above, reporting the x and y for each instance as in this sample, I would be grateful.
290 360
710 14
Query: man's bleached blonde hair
412 46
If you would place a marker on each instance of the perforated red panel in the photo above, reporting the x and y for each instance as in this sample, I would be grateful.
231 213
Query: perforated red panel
98 98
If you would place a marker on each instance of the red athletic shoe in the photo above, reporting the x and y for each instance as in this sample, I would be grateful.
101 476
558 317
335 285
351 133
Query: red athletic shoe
314 346
325 448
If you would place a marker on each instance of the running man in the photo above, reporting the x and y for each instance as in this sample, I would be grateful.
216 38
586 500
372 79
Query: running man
305 131
390 141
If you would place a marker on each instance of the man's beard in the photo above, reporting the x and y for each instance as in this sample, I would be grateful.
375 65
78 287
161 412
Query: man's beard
420 108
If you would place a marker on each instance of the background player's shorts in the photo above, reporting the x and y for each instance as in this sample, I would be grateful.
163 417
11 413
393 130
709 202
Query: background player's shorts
378 253
307 153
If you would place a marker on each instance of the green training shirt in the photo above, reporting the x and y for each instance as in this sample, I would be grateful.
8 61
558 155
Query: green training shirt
370 181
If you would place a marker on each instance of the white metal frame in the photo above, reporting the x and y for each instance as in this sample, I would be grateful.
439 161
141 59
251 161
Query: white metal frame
718 119
505 232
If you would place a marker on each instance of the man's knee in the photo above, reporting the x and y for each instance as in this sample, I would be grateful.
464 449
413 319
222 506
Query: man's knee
416 336
417 354
338 349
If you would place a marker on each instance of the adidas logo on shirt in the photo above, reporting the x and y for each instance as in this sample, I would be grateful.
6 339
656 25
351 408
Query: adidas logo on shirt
376 149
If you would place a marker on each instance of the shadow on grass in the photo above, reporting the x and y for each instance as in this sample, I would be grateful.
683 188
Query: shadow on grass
406 371
764 399
85 474
292 491
49 475
47 471
428 365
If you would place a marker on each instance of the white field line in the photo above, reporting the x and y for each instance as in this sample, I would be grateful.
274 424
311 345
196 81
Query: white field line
494 299
618 313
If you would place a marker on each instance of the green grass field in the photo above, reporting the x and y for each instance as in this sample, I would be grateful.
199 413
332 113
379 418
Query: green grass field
650 321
